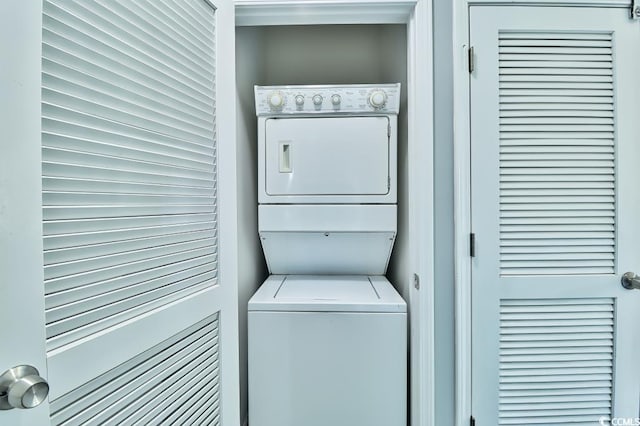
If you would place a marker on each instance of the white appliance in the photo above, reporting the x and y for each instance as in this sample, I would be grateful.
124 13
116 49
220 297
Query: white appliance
327 350
327 331
327 177
327 144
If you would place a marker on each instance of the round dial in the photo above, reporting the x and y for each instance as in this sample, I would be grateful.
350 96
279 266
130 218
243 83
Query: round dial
276 100
378 98
336 99
299 100
317 99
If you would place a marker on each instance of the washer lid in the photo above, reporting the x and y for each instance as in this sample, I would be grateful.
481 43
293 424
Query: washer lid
327 293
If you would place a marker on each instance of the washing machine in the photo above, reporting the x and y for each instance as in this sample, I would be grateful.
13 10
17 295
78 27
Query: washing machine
327 331
327 350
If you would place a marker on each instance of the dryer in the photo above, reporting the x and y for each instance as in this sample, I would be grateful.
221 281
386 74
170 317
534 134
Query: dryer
327 177
327 144
327 331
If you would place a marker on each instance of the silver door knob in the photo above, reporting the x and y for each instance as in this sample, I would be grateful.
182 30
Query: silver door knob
631 281
22 387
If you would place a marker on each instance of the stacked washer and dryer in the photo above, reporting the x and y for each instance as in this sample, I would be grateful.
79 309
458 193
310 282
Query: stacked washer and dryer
327 331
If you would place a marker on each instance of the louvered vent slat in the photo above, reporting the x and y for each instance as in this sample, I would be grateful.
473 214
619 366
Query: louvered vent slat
557 153
129 160
180 373
556 361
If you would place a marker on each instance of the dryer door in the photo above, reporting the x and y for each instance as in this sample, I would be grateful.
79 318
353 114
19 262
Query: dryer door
327 156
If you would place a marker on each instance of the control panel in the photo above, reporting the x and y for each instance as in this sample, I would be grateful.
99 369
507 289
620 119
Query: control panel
328 99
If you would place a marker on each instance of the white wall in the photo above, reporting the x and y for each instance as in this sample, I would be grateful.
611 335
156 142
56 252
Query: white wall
326 54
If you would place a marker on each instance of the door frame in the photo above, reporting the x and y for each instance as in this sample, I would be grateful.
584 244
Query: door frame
227 211
417 16
462 183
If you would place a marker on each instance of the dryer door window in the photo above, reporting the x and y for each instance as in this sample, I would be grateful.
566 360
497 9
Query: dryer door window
327 156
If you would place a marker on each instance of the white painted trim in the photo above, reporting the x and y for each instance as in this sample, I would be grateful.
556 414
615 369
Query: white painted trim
305 12
553 3
462 212
228 211
421 220
417 14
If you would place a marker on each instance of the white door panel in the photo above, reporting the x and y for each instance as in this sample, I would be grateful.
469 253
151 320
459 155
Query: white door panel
327 156
131 207
554 101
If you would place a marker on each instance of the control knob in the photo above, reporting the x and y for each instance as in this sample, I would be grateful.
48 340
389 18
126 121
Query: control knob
299 100
276 100
378 99
317 100
336 99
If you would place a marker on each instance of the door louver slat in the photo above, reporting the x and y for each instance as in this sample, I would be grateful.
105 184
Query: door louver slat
164 382
129 161
556 361
557 159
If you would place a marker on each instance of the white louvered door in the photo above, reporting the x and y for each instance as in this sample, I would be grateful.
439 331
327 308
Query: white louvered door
138 212
555 149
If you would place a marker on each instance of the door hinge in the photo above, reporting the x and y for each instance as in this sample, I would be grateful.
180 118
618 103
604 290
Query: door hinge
388 183
472 421
471 60
472 245
416 281
635 9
